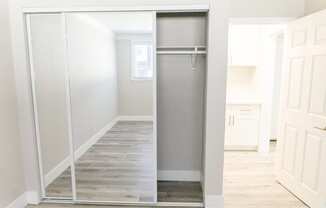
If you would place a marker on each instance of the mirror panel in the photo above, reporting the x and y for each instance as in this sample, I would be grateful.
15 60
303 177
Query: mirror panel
51 113
111 86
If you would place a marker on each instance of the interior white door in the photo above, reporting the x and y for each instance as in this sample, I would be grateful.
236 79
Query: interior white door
302 145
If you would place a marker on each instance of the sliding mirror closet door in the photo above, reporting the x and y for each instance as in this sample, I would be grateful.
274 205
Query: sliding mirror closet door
112 80
49 83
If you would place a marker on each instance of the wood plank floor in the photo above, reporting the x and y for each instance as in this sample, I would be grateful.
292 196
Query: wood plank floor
47 205
249 182
249 179
179 191
119 167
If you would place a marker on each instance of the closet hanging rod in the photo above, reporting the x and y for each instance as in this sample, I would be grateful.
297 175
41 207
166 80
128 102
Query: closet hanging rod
182 52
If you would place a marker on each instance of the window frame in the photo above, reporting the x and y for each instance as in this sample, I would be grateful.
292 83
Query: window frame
133 44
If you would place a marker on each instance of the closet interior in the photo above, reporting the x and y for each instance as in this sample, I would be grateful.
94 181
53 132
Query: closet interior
181 70
118 102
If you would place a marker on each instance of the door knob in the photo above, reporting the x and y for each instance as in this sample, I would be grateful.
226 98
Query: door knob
319 128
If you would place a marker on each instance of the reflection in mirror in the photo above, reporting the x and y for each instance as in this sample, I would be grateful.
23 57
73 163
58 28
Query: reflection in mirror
111 72
51 113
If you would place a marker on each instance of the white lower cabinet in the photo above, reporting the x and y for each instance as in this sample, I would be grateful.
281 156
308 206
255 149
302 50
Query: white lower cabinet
242 127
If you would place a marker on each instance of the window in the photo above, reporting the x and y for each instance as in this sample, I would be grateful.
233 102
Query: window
142 60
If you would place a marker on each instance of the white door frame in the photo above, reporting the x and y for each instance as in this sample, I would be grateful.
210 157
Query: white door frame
266 110
159 9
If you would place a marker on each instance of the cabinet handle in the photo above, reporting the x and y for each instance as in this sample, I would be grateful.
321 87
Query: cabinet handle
233 120
319 128
229 120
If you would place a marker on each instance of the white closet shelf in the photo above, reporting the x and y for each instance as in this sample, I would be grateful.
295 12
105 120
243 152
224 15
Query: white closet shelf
181 52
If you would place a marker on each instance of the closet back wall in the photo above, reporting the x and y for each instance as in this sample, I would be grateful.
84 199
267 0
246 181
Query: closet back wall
180 96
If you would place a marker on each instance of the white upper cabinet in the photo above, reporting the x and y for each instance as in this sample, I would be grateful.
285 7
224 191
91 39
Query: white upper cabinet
243 45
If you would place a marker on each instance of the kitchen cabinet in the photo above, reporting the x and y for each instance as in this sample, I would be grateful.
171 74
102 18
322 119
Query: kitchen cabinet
242 127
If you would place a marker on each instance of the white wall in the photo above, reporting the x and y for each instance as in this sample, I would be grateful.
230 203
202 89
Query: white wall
213 157
135 96
312 6
242 84
11 169
93 76
215 106
259 8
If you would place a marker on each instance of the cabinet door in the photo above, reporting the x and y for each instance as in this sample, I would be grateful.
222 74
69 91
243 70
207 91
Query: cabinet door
246 126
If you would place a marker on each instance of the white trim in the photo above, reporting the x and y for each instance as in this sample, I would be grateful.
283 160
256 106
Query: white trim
34 102
214 201
19 202
84 147
179 175
179 204
32 197
56 171
135 118
174 8
63 165
125 203
29 197
69 106
154 117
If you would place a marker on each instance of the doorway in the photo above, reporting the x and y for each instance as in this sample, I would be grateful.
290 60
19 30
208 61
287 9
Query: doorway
252 116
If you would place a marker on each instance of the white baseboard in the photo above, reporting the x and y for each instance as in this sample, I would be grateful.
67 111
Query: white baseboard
29 197
32 197
63 165
20 202
135 118
214 201
84 147
177 175
56 171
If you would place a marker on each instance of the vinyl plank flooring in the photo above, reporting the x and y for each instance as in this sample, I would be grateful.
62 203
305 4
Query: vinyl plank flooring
48 205
249 178
249 182
179 191
119 167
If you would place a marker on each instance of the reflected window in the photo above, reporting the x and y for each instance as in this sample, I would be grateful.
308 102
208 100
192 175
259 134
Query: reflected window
142 60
